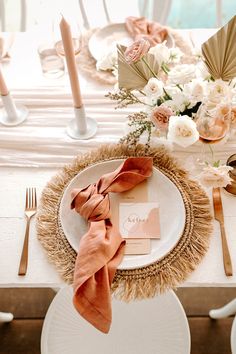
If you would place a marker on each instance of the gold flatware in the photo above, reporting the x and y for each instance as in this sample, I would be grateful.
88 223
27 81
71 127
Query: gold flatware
30 210
219 216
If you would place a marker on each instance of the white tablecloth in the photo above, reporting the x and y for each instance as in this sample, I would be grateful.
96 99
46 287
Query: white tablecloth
41 142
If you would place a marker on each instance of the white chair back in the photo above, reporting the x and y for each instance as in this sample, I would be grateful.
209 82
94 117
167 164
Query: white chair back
94 13
152 326
6 317
101 12
22 19
233 337
225 311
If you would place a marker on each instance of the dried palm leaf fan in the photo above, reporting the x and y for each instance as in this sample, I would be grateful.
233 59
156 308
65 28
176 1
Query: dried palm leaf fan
219 52
136 75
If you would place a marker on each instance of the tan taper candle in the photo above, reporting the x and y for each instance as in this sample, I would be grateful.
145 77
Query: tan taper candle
3 87
71 63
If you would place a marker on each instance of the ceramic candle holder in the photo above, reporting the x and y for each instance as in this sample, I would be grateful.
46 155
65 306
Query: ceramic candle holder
231 188
81 127
12 114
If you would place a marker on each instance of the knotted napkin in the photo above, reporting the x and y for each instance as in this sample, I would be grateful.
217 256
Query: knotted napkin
139 27
101 249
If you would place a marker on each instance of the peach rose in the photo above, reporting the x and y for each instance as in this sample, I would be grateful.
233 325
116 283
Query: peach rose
160 117
136 51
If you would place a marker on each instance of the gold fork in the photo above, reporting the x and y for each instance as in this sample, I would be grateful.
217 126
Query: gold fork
30 210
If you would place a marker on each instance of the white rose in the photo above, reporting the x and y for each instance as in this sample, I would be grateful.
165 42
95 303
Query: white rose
154 88
180 101
218 90
172 90
182 131
196 89
215 177
161 53
175 54
176 106
181 74
108 61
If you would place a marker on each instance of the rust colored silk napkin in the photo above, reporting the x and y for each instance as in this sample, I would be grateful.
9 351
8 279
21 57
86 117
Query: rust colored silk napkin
102 247
139 27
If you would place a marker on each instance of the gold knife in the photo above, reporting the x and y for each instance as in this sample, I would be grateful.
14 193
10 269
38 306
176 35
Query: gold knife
219 216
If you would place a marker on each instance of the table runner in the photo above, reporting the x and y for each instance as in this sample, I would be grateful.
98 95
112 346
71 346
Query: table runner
142 282
41 141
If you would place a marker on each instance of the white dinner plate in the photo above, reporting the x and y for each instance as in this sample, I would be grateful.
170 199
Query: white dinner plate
160 189
106 38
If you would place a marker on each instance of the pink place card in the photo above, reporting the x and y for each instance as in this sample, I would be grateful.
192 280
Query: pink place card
138 246
137 195
139 220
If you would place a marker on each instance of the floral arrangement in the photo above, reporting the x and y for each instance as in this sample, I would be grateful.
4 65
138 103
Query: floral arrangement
171 94
181 103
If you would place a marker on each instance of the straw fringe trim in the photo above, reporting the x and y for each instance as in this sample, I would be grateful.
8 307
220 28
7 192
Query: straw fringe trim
146 281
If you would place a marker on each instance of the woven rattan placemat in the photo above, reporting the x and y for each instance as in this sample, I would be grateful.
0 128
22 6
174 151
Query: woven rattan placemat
146 281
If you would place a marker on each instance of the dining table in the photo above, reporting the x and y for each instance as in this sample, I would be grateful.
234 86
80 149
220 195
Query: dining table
33 152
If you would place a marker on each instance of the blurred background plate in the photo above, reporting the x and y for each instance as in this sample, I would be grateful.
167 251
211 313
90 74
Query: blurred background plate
106 38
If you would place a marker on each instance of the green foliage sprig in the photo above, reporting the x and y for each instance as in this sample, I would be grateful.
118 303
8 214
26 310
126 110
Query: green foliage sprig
124 98
140 124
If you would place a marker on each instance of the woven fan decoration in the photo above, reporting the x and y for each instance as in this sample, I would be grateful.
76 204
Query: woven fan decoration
136 75
219 52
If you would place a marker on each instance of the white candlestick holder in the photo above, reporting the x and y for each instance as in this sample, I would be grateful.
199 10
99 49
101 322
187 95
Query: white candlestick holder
12 114
81 127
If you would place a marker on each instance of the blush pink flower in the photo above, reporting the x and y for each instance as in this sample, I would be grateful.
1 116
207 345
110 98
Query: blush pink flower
136 51
215 176
160 117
